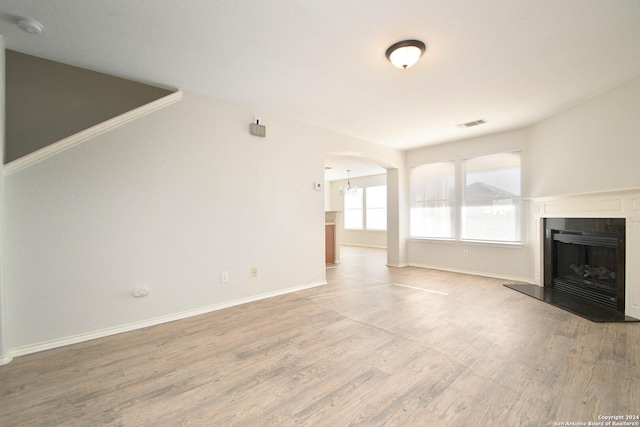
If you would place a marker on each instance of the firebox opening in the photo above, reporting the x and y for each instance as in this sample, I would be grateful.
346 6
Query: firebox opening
584 259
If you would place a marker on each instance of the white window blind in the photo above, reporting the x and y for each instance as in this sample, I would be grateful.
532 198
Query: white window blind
491 207
376 207
353 212
433 200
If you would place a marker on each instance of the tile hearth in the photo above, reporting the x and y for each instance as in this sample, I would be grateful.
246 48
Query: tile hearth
583 308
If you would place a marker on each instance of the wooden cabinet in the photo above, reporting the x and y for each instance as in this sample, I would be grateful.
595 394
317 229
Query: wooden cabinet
332 241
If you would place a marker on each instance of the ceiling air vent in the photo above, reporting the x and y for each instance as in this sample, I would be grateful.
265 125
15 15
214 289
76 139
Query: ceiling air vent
471 124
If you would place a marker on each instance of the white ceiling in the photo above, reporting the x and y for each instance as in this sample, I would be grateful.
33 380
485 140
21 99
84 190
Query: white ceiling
323 62
337 164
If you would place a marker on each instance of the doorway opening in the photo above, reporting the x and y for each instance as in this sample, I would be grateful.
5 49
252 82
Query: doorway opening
357 217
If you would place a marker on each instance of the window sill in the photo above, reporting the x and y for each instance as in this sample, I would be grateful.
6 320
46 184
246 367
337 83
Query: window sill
434 239
361 229
492 243
469 242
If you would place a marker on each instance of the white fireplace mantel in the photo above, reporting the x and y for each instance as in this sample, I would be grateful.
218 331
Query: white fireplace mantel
604 204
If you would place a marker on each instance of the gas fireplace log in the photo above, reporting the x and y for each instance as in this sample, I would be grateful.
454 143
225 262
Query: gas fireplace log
587 272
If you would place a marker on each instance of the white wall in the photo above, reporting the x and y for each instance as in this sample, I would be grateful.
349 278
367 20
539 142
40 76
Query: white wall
371 238
512 262
591 147
166 202
173 199
328 204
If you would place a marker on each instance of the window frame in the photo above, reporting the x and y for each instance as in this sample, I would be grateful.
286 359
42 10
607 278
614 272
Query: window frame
460 182
362 194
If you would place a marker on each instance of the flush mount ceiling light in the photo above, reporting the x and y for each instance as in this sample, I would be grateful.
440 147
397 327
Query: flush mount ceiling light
406 53
29 25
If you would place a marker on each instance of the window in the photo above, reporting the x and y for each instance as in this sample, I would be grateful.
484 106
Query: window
491 198
367 209
376 203
433 200
485 206
353 215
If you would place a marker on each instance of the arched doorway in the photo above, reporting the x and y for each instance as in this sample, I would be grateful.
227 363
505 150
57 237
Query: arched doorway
367 169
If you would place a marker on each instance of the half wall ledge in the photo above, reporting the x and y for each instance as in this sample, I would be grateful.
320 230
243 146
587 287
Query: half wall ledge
87 134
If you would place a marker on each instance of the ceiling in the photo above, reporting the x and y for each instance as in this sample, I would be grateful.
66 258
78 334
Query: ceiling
337 164
509 62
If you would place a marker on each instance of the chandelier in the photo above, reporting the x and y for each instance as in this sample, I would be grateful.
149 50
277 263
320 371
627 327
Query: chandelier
349 190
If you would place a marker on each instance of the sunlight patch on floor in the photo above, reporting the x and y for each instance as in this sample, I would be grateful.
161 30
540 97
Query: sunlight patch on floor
420 289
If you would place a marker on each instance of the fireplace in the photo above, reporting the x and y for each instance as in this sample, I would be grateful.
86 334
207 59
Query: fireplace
574 216
584 260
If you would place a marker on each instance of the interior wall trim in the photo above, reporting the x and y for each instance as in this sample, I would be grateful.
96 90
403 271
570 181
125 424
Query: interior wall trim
87 134
5 359
74 339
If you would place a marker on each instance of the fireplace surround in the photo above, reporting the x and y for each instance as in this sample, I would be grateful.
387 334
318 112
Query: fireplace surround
585 259
616 205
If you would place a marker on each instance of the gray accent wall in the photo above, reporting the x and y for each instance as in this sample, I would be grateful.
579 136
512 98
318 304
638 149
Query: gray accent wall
47 101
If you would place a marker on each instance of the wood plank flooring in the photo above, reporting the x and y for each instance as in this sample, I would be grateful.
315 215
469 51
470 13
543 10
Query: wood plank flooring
377 346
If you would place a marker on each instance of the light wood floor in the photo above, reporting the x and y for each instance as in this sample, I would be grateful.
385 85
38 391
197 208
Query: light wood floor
377 346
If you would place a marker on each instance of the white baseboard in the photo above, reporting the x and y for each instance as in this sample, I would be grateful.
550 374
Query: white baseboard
477 273
363 246
5 359
74 339
398 265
